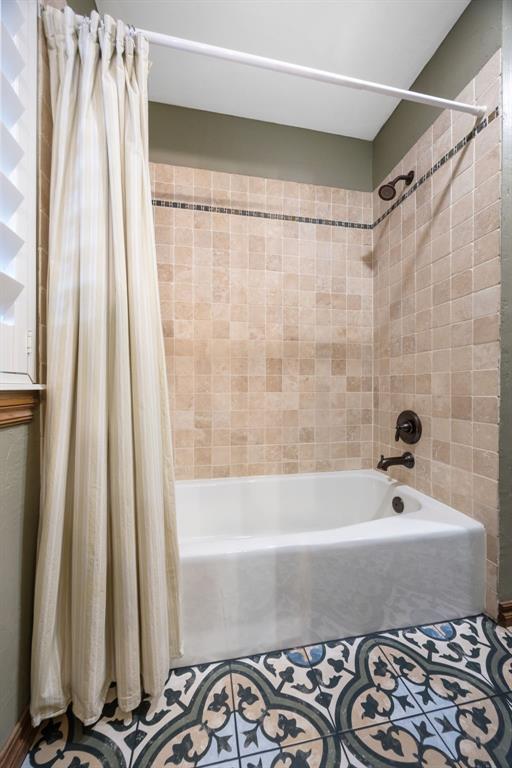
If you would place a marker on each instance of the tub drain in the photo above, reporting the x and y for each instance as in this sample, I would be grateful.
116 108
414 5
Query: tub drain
398 504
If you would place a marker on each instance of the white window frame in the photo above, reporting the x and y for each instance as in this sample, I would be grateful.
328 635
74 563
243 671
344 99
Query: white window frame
18 358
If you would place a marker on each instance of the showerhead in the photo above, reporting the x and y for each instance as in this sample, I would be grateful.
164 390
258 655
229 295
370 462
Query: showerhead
387 191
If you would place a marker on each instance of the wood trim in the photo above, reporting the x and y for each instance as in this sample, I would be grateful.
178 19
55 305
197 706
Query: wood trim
505 613
18 744
17 407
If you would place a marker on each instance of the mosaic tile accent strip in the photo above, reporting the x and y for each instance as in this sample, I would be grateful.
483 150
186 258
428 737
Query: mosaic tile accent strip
437 696
259 214
334 222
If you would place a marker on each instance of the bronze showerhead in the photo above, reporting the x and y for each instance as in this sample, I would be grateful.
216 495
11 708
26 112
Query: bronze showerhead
387 191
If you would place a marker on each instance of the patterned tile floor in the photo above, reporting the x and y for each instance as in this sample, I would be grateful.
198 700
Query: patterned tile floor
436 696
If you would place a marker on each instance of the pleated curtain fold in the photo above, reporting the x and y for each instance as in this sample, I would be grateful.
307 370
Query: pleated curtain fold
107 578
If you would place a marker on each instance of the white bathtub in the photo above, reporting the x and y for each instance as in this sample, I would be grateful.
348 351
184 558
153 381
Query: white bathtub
274 562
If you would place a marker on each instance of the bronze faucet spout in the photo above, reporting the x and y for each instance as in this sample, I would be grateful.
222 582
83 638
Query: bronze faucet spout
405 460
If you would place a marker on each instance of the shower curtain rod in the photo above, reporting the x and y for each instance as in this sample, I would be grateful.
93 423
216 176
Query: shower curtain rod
262 62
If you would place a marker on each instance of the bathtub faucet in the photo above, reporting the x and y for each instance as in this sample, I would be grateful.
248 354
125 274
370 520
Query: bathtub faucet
405 460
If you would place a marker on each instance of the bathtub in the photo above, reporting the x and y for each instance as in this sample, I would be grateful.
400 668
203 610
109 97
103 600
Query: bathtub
274 562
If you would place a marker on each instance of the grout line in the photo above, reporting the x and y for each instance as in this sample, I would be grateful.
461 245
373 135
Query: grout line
339 735
431 714
397 722
279 747
160 203
437 730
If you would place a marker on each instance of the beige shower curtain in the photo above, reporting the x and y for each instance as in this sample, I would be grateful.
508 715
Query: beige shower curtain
107 592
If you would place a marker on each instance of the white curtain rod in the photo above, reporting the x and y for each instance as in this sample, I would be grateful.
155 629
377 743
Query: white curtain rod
262 62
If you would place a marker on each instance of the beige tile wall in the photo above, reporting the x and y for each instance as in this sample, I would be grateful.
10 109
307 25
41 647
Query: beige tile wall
436 316
268 326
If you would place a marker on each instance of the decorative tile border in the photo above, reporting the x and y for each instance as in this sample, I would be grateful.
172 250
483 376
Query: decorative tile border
259 214
335 222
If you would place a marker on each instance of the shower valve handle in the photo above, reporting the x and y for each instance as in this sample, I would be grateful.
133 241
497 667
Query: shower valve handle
408 427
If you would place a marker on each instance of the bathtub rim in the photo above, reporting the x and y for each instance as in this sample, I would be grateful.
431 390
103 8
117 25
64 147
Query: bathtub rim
249 479
442 521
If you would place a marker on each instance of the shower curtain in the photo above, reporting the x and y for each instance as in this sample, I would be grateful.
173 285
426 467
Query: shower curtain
107 578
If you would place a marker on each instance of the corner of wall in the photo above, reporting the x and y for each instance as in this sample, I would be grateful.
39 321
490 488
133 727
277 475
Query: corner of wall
505 446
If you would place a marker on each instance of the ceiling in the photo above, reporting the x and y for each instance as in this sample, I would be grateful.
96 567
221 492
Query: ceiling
388 41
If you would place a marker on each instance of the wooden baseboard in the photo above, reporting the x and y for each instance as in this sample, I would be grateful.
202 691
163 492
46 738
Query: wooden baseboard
17 407
505 613
18 744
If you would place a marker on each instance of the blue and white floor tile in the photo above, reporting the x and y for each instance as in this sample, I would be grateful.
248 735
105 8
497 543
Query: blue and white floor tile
326 752
478 733
476 645
278 701
192 724
63 741
436 696
407 742
359 683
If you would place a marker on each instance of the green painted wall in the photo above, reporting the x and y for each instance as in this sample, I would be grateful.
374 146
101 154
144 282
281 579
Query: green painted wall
466 48
218 142
19 504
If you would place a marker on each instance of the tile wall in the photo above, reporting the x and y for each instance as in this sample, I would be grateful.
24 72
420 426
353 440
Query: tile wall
436 315
267 324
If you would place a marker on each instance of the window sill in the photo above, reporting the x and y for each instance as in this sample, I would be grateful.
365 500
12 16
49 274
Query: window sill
20 387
